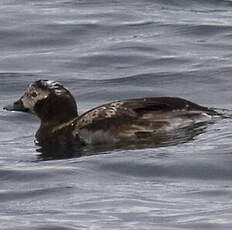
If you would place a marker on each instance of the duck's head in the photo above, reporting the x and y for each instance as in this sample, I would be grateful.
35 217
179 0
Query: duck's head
49 100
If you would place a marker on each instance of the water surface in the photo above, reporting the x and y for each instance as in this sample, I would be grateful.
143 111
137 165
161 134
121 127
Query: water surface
104 51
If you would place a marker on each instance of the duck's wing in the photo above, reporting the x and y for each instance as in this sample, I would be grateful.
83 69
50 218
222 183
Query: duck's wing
129 111
136 119
165 104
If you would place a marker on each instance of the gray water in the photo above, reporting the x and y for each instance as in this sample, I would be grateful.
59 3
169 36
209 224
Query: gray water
105 51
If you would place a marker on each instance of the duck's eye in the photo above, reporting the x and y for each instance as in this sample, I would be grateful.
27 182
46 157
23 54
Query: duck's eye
34 94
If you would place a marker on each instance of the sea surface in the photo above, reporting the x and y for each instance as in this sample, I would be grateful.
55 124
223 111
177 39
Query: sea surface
106 50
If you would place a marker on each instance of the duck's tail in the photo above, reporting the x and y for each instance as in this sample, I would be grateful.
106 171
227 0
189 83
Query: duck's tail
223 113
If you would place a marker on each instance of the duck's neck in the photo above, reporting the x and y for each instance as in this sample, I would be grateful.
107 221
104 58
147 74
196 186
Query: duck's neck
51 129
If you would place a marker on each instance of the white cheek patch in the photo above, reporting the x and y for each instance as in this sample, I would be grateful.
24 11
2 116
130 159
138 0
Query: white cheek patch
29 101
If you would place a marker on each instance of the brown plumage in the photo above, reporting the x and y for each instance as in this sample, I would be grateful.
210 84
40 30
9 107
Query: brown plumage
120 122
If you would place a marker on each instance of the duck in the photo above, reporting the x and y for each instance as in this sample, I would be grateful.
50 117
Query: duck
126 121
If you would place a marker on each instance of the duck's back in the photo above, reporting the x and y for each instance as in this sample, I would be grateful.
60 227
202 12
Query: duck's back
136 120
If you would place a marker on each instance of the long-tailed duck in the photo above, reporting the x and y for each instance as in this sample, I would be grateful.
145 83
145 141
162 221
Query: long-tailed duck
124 121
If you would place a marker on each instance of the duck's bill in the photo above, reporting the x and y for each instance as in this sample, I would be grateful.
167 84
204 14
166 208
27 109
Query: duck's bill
16 106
